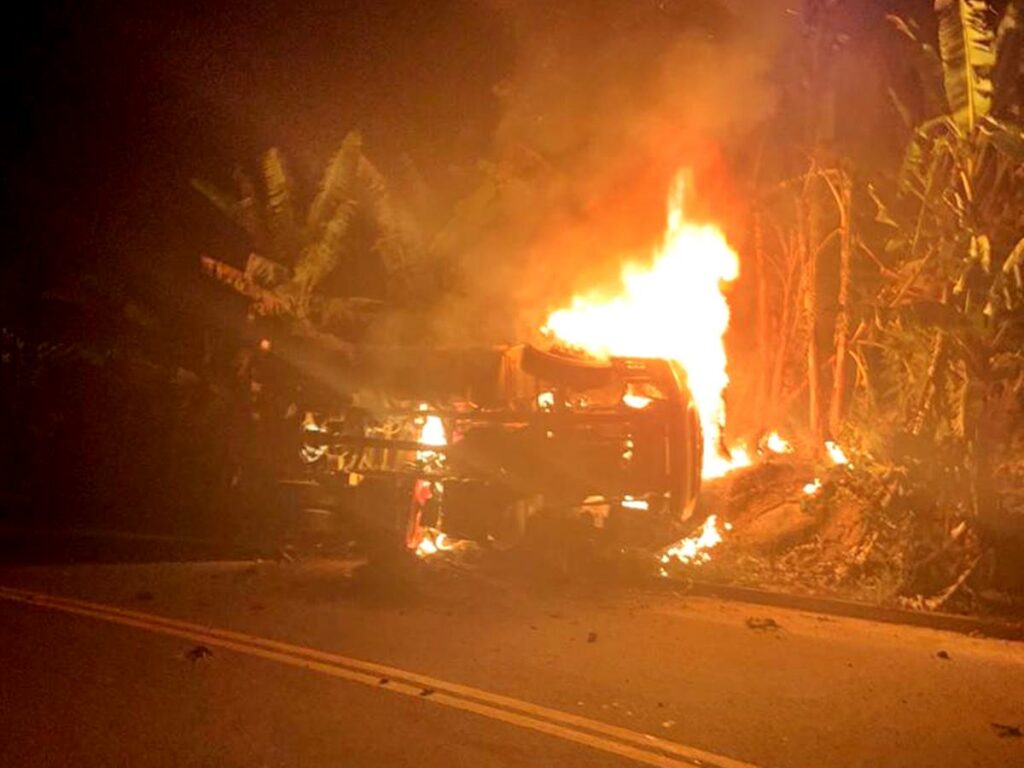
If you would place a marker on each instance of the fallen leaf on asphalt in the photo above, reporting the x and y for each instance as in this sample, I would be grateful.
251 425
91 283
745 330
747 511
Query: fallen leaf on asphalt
198 652
943 655
1007 731
763 625
592 637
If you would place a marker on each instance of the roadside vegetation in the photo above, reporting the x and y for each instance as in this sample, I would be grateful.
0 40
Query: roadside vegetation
886 289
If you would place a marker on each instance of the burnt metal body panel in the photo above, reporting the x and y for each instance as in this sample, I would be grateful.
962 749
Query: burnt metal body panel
521 425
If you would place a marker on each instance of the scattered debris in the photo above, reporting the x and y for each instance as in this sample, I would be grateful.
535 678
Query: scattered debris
763 624
198 653
936 602
1007 731
144 594
943 655
592 637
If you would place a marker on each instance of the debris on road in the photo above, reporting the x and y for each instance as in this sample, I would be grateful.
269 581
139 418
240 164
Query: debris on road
198 652
943 655
763 624
592 637
1007 731
427 692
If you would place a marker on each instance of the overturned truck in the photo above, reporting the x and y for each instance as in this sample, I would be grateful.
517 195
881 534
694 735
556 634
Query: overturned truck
432 445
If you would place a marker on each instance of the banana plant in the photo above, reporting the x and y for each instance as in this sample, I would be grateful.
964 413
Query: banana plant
955 316
295 259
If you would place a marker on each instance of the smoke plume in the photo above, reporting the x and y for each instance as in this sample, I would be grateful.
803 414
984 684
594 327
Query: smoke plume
606 102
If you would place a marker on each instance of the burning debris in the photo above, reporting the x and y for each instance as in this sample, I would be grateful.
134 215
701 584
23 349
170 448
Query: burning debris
774 443
433 541
836 454
694 550
812 488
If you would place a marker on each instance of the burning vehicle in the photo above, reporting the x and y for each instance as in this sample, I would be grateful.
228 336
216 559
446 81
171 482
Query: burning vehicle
477 443
617 421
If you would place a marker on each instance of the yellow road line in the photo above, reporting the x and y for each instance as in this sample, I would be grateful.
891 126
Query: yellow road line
636 746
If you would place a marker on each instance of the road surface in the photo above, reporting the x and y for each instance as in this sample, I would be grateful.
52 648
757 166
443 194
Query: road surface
304 664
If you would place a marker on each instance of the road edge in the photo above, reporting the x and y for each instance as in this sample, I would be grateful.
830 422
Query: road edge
967 625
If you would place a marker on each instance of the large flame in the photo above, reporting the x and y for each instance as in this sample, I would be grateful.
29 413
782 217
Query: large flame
673 308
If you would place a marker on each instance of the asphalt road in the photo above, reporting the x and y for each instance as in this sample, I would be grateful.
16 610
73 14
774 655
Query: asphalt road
302 664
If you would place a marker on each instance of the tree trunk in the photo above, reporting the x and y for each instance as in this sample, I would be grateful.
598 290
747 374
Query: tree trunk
809 247
842 327
765 407
933 381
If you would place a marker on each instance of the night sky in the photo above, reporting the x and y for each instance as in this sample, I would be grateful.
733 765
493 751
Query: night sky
112 107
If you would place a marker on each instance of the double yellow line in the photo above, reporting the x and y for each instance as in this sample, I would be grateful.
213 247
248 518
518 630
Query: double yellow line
640 747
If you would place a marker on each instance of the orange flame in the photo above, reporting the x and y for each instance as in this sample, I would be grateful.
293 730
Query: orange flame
695 549
432 542
673 308
836 453
775 443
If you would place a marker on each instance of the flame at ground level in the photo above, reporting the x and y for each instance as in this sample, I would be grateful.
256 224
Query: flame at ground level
695 549
673 308
432 542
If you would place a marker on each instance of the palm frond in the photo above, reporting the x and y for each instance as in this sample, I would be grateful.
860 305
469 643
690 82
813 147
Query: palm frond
338 183
249 215
966 43
266 272
280 213
397 236
264 302
321 256
226 204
